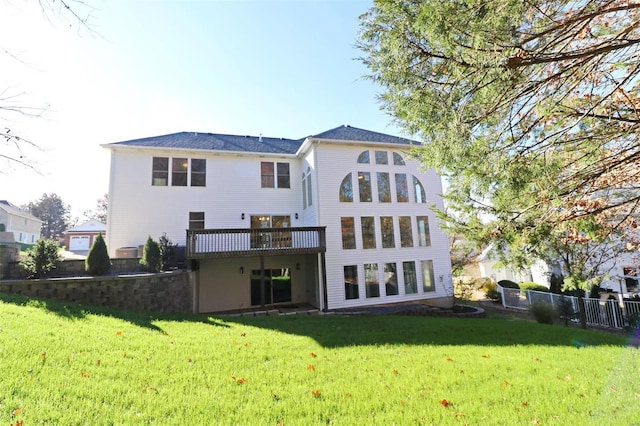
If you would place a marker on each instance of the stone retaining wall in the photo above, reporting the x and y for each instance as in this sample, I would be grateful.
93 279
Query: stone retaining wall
162 292
11 270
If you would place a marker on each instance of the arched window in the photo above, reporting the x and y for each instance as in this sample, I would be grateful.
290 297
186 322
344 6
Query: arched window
421 197
363 158
304 191
346 189
309 188
398 160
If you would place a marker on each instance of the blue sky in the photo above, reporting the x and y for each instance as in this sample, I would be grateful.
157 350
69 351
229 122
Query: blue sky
277 68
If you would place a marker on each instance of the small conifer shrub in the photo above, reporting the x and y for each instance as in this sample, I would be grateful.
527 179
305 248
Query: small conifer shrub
98 261
42 258
151 258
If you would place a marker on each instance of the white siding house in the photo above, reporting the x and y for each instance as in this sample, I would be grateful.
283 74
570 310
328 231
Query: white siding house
338 219
24 226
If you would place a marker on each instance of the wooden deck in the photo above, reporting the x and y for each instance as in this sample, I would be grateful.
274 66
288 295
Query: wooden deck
220 243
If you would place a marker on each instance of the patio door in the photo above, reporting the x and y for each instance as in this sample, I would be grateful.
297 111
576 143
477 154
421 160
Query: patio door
277 283
270 239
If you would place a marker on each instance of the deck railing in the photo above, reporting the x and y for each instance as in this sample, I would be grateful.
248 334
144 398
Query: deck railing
217 243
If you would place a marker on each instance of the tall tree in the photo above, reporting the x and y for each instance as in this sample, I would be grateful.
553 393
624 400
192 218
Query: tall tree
54 213
100 213
530 109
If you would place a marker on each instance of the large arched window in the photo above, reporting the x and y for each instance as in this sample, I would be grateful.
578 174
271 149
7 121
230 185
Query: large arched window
421 196
346 189
363 158
398 160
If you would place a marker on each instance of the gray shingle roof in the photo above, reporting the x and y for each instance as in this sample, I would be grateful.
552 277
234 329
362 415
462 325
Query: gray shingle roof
258 144
217 142
349 133
16 211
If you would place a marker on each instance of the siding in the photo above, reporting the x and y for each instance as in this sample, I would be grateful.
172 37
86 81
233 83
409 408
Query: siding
334 162
138 210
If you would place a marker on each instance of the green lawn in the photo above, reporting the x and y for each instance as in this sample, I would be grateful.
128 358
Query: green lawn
62 363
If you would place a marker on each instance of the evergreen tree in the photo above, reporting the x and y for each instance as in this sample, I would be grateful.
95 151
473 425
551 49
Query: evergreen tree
42 258
98 261
53 213
531 112
151 259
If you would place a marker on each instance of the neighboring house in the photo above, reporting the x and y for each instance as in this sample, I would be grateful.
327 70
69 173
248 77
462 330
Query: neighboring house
489 267
24 226
80 238
623 274
620 274
339 219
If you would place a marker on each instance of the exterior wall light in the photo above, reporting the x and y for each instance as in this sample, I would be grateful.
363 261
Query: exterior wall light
242 216
242 269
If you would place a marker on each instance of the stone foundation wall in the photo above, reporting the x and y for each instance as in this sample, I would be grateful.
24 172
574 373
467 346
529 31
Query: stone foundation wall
162 292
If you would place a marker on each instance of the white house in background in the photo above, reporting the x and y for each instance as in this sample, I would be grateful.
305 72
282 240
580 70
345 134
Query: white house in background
80 238
24 226
489 267
338 219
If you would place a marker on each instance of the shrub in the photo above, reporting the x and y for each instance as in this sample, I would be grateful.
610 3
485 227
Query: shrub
463 288
98 261
594 293
533 286
494 295
491 291
151 260
41 259
482 283
508 284
167 252
543 313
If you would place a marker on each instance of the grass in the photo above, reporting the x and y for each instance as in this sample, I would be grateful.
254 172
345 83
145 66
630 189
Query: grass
62 363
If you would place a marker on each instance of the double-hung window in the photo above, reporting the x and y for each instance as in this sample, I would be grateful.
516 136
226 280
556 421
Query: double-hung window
184 171
274 175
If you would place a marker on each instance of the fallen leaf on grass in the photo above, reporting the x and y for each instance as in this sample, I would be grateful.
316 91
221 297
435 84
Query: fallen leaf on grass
315 393
85 374
311 367
445 403
313 355
16 411
118 333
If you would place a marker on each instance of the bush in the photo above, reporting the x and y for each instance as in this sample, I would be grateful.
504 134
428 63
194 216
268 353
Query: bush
494 295
594 293
98 261
151 259
463 288
42 258
508 284
481 283
167 252
533 286
543 313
